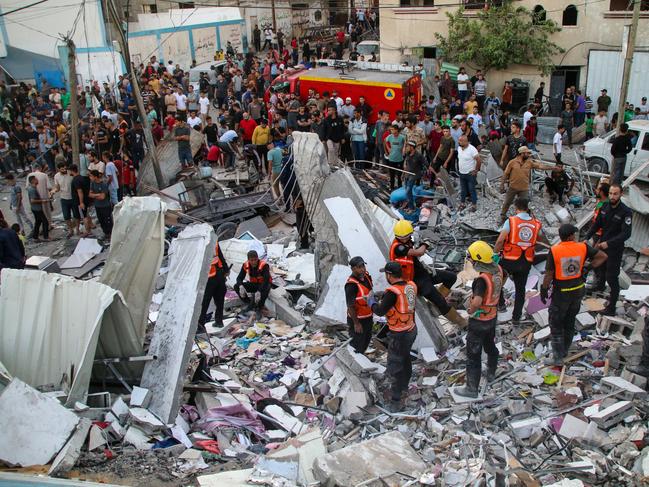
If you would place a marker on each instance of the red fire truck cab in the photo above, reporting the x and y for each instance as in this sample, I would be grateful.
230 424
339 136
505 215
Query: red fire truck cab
390 91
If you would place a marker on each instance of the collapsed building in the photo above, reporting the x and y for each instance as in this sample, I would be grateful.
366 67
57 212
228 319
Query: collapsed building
103 376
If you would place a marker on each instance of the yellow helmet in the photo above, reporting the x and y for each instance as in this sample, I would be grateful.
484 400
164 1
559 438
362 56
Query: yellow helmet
481 251
403 228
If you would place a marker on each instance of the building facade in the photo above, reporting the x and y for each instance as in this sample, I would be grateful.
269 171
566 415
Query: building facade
591 35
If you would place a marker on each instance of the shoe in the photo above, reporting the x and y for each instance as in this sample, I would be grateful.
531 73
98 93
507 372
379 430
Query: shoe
473 208
491 375
443 290
394 406
640 369
467 391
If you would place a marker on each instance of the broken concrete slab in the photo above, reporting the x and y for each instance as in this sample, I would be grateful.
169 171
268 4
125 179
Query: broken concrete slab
140 397
288 422
136 437
358 363
233 478
378 457
612 415
69 454
283 309
190 258
145 420
33 427
627 390
96 438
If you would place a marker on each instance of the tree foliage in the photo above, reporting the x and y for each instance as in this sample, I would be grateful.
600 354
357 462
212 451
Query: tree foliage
499 37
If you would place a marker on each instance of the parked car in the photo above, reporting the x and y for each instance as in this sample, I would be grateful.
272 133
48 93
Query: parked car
367 48
597 151
195 72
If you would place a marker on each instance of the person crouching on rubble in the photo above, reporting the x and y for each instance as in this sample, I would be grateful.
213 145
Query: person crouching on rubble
404 252
255 290
360 318
483 315
564 269
398 305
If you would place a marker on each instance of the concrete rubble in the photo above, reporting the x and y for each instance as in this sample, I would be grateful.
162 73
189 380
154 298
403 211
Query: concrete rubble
282 399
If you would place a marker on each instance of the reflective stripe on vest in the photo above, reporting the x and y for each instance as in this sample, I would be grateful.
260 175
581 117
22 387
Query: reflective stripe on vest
216 263
569 259
362 308
401 317
259 278
491 298
407 263
521 239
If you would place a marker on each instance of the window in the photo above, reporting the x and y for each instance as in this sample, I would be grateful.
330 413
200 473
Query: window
417 3
317 15
621 5
538 14
186 5
645 142
570 15
150 8
474 4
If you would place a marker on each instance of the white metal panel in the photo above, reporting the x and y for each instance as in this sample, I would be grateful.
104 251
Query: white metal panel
605 71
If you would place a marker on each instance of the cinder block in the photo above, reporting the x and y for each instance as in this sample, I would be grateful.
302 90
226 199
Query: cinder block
627 390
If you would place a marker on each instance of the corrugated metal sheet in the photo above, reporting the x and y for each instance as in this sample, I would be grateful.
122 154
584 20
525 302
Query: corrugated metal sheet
639 232
605 71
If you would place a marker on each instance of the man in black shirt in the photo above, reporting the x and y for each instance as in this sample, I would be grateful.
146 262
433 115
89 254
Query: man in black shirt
614 218
334 129
114 139
101 138
414 164
359 315
135 142
80 187
620 147
564 269
211 132
513 142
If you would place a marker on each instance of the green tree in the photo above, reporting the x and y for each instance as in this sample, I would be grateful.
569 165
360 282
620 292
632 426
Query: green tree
499 37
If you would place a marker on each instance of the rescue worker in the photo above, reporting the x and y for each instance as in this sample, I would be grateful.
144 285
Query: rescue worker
404 252
516 242
483 315
602 198
215 289
359 314
614 219
564 269
398 305
255 290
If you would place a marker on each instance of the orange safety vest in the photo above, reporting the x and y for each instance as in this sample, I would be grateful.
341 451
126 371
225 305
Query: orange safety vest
521 239
401 317
569 259
362 308
259 278
407 263
216 263
490 300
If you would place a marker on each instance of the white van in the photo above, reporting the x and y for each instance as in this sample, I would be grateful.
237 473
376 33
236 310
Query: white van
367 48
598 150
195 72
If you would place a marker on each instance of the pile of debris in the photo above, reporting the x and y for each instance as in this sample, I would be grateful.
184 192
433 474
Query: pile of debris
118 386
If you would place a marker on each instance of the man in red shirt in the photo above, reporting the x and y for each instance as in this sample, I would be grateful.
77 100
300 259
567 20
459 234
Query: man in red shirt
247 127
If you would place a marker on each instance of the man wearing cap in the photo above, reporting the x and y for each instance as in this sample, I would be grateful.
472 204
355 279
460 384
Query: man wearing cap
347 110
517 175
614 219
564 269
483 316
516 241
358 289
603 101
398 305
255 290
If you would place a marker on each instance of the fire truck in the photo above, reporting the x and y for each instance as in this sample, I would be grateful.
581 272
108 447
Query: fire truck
385 87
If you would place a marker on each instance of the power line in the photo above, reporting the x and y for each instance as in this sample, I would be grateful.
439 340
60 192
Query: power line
22 8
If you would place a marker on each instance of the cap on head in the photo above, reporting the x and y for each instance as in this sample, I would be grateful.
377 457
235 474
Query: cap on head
481 251
356 261
392 268
524 150
566 230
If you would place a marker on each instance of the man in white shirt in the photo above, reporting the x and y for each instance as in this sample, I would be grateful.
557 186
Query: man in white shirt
527 116
181 103
644 108
193 120
469 162
557 142
170 67
463 85
600 123
204 106
339 101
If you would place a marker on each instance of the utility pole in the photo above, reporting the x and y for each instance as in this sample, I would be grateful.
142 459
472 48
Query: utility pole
74 101
272 4
111 10
628 61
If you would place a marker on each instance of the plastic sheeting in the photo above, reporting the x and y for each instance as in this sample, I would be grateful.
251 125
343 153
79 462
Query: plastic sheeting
50 326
